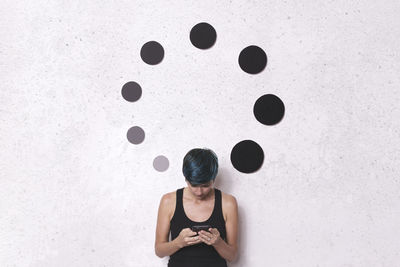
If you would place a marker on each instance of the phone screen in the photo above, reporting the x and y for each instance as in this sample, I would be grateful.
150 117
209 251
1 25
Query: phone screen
197 228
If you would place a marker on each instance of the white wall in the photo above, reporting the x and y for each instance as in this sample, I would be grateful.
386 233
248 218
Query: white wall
75 192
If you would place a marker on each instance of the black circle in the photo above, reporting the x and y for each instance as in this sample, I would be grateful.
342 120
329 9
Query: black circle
203 35
252 59
269 109
152 53
131 91
247 156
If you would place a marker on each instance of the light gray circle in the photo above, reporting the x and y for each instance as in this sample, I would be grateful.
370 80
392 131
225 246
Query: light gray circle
161 163
135 135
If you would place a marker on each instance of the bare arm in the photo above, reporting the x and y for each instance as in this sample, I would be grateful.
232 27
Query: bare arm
228 250
162 246
167 248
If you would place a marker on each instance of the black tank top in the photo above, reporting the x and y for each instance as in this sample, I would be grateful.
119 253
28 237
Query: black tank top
201 254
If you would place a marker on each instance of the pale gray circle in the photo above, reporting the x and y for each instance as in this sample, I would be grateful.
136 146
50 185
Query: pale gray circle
135 135
161 163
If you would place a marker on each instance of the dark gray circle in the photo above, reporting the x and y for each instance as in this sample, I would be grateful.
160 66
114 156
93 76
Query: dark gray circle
135 135
131 91
247 156
161 163
203 35
152 53
252 59
269 109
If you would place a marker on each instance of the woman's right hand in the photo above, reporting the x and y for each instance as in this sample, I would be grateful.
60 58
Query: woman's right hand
187 238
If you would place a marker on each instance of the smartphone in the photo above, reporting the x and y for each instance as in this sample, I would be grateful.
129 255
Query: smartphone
197 228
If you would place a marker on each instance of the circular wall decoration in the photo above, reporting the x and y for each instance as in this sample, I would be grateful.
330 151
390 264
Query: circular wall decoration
269 109
152 53
252 59
135 135
161 163
131 91
203 35
247 156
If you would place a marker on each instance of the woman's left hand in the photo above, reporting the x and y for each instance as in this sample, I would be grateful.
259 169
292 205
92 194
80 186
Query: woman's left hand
210 238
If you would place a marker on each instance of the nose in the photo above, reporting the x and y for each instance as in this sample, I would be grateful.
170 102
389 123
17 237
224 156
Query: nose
199 192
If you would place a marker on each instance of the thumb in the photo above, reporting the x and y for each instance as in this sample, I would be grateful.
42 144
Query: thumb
214 231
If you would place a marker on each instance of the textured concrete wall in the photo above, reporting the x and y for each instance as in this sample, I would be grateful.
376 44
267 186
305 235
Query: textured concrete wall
75 192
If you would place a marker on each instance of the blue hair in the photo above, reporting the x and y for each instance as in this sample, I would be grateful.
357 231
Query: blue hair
200 165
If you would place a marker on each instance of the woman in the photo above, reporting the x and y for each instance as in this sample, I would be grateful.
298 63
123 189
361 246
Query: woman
198 204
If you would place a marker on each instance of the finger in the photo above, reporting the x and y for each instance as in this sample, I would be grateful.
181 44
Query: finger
206 234
214 230
192 233
205 240
193 240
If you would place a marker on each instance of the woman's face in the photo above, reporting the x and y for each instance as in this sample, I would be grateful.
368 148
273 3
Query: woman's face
201 191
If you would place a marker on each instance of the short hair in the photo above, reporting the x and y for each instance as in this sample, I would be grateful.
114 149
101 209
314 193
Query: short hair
200 165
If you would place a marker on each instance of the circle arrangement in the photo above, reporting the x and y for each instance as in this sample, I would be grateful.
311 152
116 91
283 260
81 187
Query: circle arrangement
203 35
246 156
269 109
152 53
252 59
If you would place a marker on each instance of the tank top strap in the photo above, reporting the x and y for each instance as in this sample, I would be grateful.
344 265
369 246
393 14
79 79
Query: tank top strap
179 199
218 202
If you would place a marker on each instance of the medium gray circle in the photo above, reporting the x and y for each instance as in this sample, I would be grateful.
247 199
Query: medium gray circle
131 91
135 135
161 163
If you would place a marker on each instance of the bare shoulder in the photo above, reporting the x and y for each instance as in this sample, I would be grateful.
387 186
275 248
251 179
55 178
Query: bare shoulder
168 202
229 205
170 196
228 199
